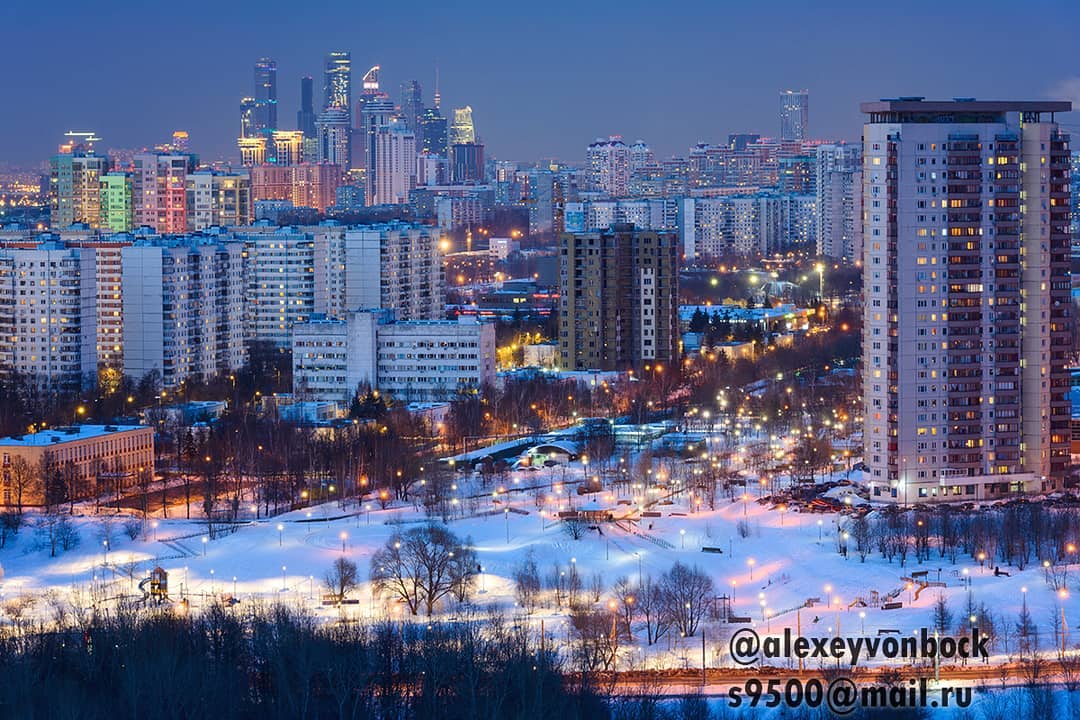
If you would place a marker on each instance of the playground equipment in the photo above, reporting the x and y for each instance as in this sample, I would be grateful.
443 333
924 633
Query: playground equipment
158 582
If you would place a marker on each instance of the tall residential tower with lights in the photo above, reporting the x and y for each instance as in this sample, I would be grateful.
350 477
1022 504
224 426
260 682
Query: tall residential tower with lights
967 297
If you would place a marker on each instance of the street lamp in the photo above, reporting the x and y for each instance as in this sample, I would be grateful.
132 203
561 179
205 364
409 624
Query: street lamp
344 537
280 529
106 544
751 562
283 578
204 541
682 534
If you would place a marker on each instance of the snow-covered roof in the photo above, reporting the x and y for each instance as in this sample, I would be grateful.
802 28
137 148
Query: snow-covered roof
67 434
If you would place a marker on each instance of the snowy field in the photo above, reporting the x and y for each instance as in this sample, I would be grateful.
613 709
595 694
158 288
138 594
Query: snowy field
785 559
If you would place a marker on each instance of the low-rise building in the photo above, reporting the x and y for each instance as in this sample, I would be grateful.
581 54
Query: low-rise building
74 462
411 361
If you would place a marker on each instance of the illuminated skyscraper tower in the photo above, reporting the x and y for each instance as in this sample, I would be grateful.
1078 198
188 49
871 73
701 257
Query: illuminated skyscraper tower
337 82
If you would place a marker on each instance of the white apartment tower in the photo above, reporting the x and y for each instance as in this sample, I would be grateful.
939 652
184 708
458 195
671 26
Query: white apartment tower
839 202
395 163
393 266
966 280
607 163
48 315
279 275
183 306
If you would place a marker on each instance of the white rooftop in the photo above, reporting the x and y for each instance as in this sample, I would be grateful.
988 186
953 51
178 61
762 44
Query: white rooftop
45 438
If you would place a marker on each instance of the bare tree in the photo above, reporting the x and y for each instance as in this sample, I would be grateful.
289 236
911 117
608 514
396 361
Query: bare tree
341 578
652 609
23 478
687 591
594 633
527 582
421 566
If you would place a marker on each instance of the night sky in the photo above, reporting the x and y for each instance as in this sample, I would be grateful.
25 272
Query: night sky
543 78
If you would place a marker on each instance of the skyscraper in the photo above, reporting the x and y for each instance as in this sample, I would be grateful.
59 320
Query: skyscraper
337 82
248 114
618 299
395 163
412 107
467 163
966 312
462 129
794 114
376 114
265 95
305 116
433 135
333 133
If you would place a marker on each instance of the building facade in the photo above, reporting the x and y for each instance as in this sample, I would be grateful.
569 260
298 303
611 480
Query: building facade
618 299
966 319
411 361
74 462
839 202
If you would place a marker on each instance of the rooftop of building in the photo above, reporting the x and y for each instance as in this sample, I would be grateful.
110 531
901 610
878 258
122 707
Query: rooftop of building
956 108
55 436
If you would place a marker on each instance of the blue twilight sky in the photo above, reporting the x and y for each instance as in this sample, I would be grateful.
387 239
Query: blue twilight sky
543 78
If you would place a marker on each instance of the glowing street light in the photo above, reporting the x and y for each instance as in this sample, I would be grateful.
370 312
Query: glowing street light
280 529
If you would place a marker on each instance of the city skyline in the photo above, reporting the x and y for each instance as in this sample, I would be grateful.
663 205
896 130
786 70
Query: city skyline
521 106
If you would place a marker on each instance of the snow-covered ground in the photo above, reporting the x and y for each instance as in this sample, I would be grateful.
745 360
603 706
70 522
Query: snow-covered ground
784 559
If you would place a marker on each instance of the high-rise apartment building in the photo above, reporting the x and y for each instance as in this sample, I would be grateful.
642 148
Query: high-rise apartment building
252 150
966 281
794 114
116 202
279 272
159 189
619 299
309 185
288 147
839 202
75 185
218 198
393 266
48 316
334 137
394 174
607 163
183 303
375 115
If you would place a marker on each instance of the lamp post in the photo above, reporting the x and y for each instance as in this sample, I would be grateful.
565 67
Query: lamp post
751 562
283 578
280 529
204 541
506 517
682 536
344 537
106 544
